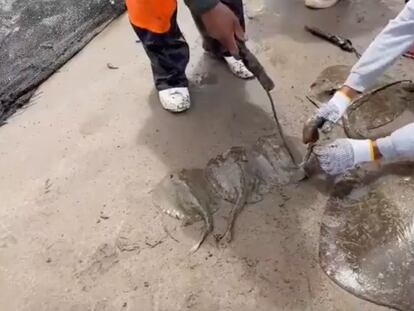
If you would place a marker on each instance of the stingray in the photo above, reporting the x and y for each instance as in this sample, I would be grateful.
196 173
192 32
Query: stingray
187 196
367 236
367 231
380 111
240 176
385 107
328 82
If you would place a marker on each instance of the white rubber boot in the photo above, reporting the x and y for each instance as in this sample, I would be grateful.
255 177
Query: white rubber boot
175 99
320 4
238 68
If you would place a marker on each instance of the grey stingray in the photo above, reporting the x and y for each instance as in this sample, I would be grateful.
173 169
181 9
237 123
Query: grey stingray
367 232
379 113
367 236
239 176
186 195
372 115
328 82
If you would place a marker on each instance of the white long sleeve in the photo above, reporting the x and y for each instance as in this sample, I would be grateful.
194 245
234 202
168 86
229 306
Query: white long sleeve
398 144
391 43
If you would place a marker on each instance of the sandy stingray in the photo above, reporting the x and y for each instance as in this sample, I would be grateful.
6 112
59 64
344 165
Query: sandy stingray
367 233
238 177
371 116
367 237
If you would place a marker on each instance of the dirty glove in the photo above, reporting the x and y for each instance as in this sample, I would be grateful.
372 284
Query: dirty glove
344 154
327 115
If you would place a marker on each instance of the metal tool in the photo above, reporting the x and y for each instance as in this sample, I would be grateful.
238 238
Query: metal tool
343 43
253 64
308 155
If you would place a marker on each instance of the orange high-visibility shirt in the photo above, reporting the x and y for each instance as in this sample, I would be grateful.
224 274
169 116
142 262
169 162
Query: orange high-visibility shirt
154 15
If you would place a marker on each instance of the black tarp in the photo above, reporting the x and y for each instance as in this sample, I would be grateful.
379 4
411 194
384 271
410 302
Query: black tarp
38 36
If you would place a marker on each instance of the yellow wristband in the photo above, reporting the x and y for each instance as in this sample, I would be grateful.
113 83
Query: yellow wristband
347 96
371 150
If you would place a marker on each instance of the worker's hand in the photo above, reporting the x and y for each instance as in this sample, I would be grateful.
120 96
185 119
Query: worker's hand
223 25
326 116
344 154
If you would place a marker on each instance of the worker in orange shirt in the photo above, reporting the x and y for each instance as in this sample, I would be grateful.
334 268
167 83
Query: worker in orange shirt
155 23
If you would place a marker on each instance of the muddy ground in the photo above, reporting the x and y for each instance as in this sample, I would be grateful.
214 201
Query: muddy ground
78 229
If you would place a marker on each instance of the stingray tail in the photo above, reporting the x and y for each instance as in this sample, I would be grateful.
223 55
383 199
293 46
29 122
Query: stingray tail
208 228
196 247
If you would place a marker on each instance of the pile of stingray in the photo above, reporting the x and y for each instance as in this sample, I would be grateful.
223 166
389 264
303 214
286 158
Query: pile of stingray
367 232
240 176
37 37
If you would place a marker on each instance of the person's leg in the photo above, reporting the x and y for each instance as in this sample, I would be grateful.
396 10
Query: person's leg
214 47
155 23
169 55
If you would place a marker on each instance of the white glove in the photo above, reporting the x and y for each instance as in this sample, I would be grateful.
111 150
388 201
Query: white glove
326 115
344 154
335 108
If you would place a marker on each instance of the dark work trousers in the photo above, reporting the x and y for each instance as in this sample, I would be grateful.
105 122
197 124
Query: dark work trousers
169 52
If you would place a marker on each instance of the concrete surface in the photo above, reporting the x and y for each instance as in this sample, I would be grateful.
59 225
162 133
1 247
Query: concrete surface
78 230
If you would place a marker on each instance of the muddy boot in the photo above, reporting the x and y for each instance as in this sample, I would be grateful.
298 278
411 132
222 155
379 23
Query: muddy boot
320 4
236 67
215 49
175 99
